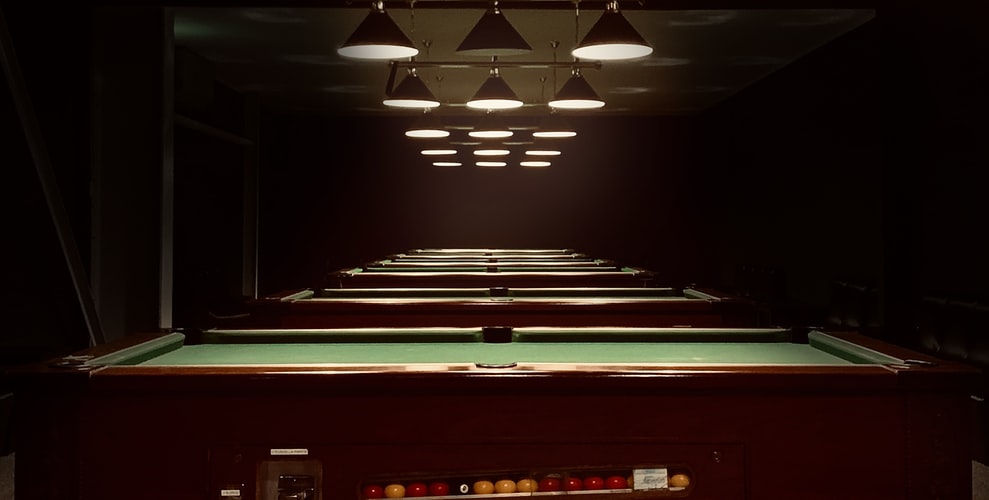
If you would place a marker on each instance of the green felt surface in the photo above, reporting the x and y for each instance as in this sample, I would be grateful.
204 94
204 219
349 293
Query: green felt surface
750 349
481 268
562 270
647 293
545 352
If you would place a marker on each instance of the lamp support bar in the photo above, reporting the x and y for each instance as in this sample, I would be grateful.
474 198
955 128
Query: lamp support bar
390 84
490 64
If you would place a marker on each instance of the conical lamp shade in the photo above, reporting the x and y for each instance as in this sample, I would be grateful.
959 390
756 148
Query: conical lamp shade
491 126
554 126
612 38
411 93
378 37
494 94
576 94
493 35
427 126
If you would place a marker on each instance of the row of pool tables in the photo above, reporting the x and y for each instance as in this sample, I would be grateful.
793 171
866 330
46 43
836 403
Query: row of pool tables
489 411
479 268
571 306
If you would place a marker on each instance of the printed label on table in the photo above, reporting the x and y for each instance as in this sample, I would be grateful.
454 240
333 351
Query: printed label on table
229 493
289 451
649 479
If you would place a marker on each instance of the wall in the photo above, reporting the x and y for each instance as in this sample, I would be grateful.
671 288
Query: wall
332 196
792 172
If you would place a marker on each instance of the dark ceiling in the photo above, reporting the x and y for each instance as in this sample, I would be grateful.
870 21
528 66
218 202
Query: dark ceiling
286 56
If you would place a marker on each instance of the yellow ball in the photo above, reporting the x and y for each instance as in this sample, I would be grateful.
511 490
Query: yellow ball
394 491
527 485
679 481
505 486
484 487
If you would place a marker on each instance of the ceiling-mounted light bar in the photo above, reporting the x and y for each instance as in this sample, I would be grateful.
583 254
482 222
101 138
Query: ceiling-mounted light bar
378 37
495 63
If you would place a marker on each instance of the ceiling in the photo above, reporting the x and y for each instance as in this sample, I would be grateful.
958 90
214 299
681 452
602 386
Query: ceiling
286 56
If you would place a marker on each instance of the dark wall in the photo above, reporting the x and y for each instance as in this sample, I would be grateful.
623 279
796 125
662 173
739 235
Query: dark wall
792 171
941 101
860 161
42 312
333 194
786 175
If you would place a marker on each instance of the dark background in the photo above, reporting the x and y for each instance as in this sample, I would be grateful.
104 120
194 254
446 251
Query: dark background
860 162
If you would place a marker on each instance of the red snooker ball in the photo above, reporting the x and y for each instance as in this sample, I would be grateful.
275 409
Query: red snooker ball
573 484
549 484
439 489
616 483
374 491
593 483
416 490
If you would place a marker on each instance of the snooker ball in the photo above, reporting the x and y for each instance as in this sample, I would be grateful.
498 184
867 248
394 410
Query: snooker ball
505 486
394 491
679 481
374 491
549 483
483 487
616 483
573 483
593 483
416 490
527 485
439 488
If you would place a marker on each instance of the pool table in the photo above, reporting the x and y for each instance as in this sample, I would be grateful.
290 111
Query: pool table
528 252
497 275
345 414
405 257
581 306
523 264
